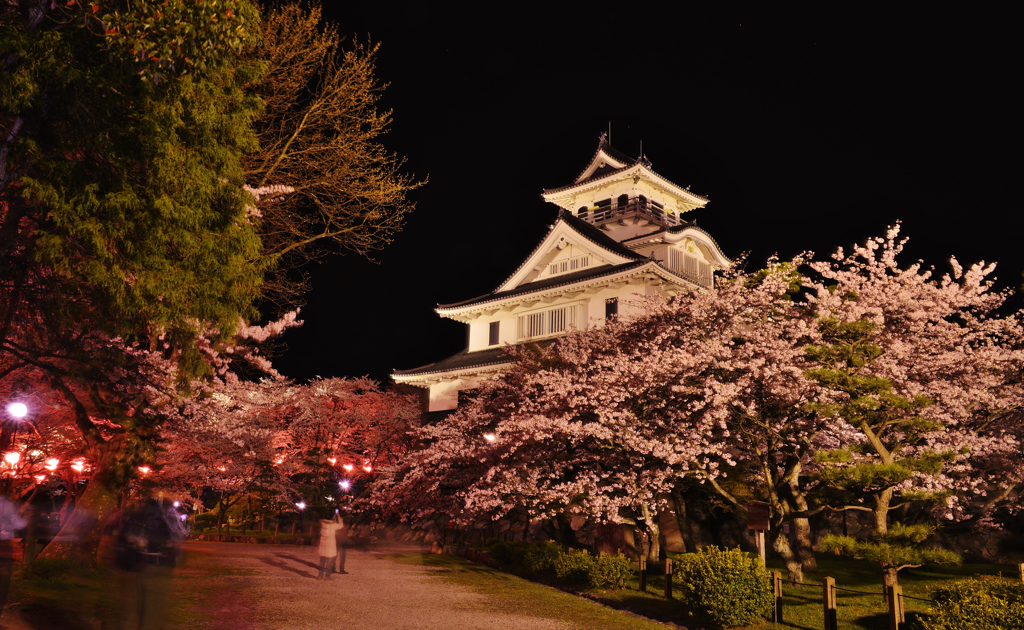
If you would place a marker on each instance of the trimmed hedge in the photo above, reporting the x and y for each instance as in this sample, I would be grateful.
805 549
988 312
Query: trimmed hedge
571 567
727 586
976 604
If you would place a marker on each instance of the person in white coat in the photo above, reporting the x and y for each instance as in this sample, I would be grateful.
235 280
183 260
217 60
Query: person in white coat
328 547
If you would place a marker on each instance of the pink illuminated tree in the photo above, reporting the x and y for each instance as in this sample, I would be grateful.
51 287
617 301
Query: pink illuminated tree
924 374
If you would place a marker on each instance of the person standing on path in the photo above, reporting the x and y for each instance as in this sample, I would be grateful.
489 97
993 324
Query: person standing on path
341 541
328 547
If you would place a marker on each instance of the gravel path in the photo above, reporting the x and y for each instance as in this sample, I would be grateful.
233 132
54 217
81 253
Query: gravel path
377 593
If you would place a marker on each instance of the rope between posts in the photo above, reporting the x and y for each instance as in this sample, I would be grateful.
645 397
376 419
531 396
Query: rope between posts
850 590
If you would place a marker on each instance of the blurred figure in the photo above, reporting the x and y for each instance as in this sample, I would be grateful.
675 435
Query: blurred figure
340 541
328 547
10 521
146 551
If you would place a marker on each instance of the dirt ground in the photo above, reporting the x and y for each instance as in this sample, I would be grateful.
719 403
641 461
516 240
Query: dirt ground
276 588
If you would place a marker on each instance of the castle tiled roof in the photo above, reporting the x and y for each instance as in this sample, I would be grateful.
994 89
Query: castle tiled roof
549 283
462 360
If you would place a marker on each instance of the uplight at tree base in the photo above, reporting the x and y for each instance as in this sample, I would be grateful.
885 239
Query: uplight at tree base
12 458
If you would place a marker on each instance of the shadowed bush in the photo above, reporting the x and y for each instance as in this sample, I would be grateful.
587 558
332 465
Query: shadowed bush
727 586
976 604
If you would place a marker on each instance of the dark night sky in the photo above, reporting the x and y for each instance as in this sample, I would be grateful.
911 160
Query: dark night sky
807 132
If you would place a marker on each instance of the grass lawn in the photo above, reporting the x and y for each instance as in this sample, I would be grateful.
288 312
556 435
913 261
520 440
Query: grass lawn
59 595
518 596
802 605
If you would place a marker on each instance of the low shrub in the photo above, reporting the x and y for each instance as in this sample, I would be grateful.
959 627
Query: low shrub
727 586
537 557
976 604
610 572
574 566
502 552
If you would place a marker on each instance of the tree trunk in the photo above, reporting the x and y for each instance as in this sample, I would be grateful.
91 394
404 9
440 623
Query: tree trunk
650 521
804 546
680 513
79 537
889 575
780 544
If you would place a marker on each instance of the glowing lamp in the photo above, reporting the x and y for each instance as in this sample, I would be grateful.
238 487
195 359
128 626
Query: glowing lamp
301 505
348 467
184 517
12 458
368 468
40 478
78 467
332 460
345 484
222 468
177 504
490 437
51 464
17 410
144 469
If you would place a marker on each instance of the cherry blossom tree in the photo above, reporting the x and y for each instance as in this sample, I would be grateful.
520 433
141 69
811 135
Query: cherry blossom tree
838 390
924 372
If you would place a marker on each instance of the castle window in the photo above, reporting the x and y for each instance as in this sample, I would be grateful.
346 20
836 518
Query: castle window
545 323
611 308
492 339
690 267
569 265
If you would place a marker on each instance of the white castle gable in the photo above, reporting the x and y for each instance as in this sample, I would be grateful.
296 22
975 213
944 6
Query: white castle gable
618 237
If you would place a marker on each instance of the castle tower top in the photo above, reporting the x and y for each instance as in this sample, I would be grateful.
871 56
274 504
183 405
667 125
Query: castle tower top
624 196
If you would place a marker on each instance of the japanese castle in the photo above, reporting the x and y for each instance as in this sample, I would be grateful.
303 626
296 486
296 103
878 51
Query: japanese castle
619 235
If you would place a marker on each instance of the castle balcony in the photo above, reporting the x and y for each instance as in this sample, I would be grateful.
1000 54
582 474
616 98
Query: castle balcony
608 210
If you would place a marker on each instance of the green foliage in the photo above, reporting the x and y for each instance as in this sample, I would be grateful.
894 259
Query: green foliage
205 520
787 270
574 566
538 557
976 604
130 194
728 586
899 548
610 571
866 477
176 36
50 573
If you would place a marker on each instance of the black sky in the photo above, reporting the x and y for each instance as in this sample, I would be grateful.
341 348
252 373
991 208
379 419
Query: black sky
807 132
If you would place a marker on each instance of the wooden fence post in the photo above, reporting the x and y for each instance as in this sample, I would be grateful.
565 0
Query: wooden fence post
777 589
1020 568
896 616
643 576
668 578
828 587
